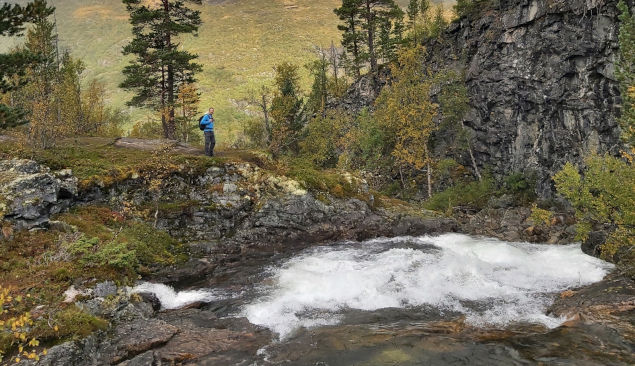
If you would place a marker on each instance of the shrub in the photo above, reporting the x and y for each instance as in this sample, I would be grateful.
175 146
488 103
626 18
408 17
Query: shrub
540 216
14 328
474 194
602 194
317 180
70 323
521 186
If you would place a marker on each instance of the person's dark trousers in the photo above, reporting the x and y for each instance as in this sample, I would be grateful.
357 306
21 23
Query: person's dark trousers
210 142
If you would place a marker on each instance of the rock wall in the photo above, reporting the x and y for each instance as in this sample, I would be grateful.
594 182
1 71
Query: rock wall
541 81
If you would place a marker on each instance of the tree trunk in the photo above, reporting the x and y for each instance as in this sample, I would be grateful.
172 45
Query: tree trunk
429 180
171 124
164 122
265 112
355 48
334 63
469 149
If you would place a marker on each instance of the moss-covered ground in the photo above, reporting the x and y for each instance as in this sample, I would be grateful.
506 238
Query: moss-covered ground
97 244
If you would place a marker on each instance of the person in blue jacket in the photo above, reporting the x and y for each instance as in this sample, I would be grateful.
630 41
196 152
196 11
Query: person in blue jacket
210 140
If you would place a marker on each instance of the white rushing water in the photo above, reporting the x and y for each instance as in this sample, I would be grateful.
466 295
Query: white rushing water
490 281
171 299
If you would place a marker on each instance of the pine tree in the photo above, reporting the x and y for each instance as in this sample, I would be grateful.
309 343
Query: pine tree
159 67
352 37
13 65
374 12
461 7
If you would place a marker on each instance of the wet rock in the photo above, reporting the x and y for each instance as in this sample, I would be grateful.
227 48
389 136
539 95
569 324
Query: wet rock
593 244
151 299
105 289
139 337
514 224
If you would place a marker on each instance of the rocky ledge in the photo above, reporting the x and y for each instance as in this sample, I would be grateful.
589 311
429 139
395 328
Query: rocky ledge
30 193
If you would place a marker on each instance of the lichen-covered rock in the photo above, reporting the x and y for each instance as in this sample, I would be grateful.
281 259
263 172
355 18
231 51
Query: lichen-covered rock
30 193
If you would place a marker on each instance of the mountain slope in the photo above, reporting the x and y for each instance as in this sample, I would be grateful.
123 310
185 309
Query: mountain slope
239 43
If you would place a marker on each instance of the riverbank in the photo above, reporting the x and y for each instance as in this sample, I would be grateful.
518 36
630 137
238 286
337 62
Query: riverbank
104 214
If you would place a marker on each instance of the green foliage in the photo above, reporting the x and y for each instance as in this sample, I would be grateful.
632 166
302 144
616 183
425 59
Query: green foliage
286 108
53 94
13 66
255 131
319 180
522 186
474 195
602 194
367 145
371 29
324 138
540 216
352 36
316 102
406 109
626 73
160 66
471 8
131 246
71 323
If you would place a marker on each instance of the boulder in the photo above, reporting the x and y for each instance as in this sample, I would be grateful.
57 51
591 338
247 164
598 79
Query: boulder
30 193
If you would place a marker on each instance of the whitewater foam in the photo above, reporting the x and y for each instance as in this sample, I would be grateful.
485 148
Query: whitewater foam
171 299
510 282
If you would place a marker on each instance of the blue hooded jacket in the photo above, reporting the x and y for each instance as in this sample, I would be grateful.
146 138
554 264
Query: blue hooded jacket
208 122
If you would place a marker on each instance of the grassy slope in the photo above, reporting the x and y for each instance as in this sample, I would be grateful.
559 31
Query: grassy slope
239 43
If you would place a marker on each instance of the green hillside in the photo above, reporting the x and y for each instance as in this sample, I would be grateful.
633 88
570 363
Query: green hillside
239 43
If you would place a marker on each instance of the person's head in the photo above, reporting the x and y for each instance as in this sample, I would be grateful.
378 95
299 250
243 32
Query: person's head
211 111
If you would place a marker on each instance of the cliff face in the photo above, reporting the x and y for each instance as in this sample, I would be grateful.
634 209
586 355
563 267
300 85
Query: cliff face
541 79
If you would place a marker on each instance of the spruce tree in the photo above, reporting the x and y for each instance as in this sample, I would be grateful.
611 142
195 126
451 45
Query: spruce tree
12 65
318 97
159 67
286 108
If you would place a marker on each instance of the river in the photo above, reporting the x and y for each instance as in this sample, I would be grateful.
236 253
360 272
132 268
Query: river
443 300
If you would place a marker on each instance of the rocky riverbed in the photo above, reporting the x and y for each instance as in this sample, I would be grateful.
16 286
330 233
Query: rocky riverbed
245 226
374 303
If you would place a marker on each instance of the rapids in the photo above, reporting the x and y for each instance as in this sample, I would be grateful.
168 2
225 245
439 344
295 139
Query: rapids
490 282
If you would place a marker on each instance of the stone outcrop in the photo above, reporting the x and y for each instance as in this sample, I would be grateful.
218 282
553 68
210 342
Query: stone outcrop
247 206
541 80
30 193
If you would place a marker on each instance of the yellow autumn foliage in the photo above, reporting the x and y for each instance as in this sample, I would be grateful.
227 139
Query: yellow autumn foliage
406 109
14 329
